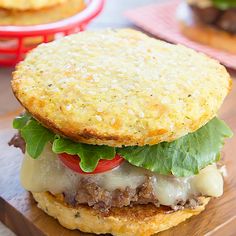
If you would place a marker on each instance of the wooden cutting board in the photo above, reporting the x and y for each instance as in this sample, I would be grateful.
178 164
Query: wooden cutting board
19 212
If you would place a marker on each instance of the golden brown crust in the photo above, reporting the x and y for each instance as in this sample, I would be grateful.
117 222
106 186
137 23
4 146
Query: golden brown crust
206 34
42 16
120 87
140 220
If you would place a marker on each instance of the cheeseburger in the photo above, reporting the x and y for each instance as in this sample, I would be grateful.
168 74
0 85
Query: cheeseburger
120 131
211 22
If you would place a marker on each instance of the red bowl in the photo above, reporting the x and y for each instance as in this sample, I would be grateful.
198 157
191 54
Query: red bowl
13 43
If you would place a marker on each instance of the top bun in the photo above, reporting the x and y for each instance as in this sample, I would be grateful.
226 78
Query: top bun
201 3
28 4
120 87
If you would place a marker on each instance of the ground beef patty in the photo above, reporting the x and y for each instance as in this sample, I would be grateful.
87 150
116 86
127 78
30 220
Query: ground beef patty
92 194
18 142
89 192
225 20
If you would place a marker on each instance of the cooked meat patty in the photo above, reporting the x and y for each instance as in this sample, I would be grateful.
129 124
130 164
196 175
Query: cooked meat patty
207 15
18 142
92 194
225 20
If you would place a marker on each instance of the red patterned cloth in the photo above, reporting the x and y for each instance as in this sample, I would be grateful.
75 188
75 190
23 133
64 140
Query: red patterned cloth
160 20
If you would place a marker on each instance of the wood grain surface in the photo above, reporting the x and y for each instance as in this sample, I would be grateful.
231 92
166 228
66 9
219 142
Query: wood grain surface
19 211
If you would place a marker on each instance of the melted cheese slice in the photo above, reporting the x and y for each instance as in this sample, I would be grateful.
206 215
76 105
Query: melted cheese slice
47 173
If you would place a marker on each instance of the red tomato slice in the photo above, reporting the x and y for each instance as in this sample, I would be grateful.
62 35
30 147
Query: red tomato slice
72 162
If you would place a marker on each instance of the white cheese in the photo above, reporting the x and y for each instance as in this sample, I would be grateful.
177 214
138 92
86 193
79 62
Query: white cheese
122 177
209 182
170 189
47 173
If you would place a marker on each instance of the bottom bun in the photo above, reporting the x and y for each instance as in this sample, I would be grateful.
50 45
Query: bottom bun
139 220
202 33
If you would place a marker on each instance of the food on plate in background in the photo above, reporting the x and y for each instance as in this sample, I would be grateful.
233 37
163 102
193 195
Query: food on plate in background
26 13
211 22
35 16
28 4
119 130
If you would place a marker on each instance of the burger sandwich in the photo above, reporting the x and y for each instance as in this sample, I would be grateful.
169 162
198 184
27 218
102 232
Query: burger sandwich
120 131
210 22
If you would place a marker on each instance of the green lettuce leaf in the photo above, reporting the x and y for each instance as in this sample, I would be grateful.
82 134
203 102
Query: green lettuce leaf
20 121
89 154
36 137
224 4
184 156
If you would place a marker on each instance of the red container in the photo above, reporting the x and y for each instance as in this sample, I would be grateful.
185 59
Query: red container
13 43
